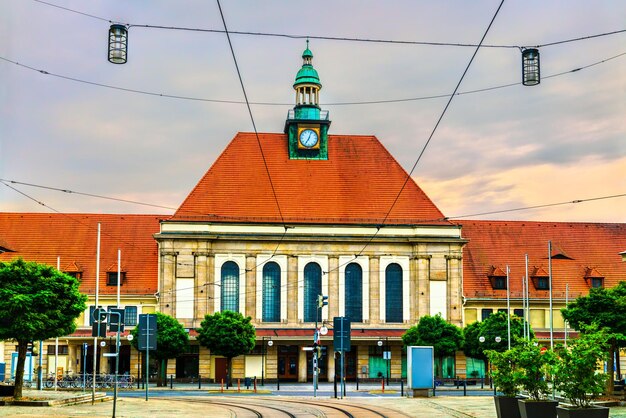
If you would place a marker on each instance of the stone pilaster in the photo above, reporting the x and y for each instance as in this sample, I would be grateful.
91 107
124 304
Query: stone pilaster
251 286
423 285
292 291
374 291
333 288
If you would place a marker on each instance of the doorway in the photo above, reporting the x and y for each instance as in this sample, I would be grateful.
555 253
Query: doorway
288 362
221 369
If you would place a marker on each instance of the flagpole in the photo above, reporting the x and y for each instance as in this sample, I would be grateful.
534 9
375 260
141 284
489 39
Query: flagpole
508 308
550 277
95 339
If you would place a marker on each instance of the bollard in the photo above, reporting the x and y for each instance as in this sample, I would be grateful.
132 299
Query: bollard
458 382
401 387
199 382
138 380
171 381
277 383
383 383
482 382
465 388
344 387
357 383
335 385
494 390
222 388
435 390
254 384
238 385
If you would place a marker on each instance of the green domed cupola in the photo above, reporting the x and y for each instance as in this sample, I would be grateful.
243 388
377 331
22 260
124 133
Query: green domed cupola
307 125
307 74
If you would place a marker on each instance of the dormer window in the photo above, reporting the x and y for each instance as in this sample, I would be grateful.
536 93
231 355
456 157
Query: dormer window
497 278
593 278
74 269
540 279
112 278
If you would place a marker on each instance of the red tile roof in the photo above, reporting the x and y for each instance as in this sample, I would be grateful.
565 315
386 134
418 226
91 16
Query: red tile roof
43 237
356 185
587 246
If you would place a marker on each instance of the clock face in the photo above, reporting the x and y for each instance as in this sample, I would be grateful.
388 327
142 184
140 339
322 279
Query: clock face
308 138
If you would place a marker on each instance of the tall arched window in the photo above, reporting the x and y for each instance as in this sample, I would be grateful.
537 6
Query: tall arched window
393 293
312 288
271 292
230 287
354 292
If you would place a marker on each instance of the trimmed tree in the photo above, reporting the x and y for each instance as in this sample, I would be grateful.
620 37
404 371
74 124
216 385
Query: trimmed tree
227 334
37 302
444 337
605 308
494 326
172 341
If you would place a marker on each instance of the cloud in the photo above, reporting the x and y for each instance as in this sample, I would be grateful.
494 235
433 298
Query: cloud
536 185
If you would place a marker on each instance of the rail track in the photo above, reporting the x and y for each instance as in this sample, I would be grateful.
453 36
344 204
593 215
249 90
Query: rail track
274 407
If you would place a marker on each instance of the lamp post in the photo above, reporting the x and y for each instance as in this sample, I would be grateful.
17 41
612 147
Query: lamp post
269 344
386 355
482 339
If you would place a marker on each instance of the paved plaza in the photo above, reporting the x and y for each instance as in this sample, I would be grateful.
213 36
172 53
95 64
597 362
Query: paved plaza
187 400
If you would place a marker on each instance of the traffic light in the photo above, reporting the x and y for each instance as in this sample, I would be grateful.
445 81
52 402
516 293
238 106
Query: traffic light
322 301
319 351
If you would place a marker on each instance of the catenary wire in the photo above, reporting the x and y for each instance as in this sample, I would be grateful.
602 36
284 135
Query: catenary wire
337 38
410 173
297 283
348 103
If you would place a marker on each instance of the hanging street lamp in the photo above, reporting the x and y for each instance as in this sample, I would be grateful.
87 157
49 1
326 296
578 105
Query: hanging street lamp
531 75
118 44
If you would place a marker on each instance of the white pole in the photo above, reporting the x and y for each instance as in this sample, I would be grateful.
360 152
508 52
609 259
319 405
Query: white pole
524 305
566 303
508 308
119 275
527 310
56 341
95 339
550 284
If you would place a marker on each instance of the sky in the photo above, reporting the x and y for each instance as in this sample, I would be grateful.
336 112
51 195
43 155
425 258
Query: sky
512 147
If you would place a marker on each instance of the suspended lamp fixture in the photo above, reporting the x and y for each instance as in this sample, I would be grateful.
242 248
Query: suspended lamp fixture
531 75
118 44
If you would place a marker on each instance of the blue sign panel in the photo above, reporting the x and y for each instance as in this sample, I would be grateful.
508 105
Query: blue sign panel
420 367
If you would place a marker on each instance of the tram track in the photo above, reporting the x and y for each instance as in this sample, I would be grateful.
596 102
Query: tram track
274 407
231 405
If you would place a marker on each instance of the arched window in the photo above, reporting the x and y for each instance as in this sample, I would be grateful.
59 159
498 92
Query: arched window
230 287
271 292
393 293
312 288
354 292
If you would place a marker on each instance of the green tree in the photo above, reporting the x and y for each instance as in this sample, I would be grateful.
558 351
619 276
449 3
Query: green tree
227 334
444 337
576 367
37 302
494 326
605 308
172 341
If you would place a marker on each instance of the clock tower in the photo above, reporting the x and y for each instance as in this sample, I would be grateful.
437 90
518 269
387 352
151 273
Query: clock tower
307 125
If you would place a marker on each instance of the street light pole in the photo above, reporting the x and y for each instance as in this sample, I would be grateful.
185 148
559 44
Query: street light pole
263 363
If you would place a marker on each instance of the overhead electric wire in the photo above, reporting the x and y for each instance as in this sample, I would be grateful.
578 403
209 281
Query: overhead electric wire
432 133
116 199
351 103
297 283
334 38
547 205
445 218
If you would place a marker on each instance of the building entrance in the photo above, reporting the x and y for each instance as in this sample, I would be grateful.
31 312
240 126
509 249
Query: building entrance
288 362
